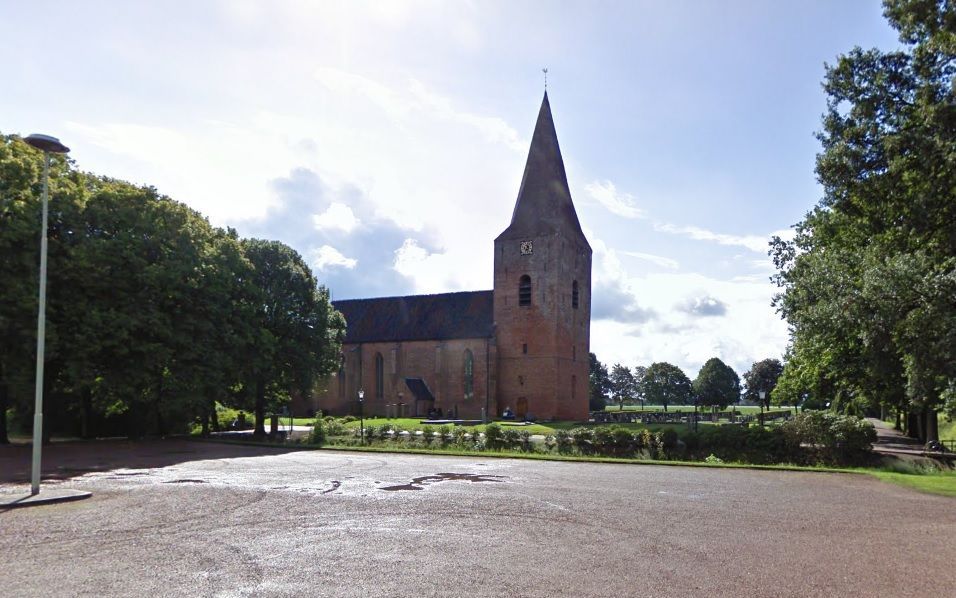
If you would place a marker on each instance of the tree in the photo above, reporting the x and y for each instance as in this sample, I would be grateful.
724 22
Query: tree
867 283
762 376
151 311
717 384
297 334
639 372
599 383
622 384
666 384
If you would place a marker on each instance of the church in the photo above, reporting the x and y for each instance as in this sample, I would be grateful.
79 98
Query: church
522 346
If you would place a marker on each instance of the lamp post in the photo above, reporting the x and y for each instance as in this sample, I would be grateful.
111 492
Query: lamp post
763 395
48 145
361 397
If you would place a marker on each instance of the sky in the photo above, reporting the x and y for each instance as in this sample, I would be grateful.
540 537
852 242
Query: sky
385 141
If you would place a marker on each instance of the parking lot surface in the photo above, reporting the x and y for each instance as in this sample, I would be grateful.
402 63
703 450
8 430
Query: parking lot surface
180 518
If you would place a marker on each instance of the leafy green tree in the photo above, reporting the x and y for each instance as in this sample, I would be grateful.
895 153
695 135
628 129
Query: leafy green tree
867 283
297 334
762 376
717 384
622 384
599 383
666 384
639 372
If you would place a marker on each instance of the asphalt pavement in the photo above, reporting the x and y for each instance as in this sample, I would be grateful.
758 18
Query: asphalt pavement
182 518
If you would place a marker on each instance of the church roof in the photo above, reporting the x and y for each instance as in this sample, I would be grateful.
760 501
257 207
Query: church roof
418 317
544 203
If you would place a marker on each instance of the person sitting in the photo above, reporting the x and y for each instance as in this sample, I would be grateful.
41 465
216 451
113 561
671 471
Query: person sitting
507 413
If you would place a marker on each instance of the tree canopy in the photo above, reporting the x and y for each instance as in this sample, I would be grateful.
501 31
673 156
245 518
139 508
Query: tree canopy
868 284
717 384
151 310
666 384
599 384
762 377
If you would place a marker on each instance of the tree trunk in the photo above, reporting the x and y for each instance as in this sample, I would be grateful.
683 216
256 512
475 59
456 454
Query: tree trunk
912 424
260 430
215 417
932 426
86 412
205 422
4 401
899 424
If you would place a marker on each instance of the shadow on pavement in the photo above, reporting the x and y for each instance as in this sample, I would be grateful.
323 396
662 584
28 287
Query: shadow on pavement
65 460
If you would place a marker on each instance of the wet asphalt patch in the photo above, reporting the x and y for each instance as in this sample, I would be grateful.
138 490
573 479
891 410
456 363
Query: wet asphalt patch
420 482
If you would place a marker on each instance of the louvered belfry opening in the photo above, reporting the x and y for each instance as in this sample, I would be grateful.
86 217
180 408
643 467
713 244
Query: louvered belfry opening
524 290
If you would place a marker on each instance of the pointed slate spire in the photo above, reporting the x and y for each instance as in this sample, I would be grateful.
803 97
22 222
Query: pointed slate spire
544 203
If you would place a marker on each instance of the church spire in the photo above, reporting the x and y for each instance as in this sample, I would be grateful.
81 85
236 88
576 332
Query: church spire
544 203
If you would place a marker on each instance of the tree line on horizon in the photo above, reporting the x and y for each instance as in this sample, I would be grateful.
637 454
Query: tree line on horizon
717 385
153 314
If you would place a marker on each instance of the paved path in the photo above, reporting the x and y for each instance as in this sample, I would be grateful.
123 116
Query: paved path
194 519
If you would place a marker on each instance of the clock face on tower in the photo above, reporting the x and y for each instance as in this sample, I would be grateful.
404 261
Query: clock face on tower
526 248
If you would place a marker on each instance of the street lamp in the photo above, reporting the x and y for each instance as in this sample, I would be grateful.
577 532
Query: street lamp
48 145
763 395
361 396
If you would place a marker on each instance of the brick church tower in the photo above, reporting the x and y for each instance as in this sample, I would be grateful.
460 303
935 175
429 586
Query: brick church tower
542 293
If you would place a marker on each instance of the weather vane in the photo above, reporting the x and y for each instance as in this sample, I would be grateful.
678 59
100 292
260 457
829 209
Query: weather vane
545 71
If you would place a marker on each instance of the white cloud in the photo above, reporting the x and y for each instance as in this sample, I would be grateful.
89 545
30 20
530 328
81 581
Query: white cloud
752 242
665 262
329 257
337 217
607 195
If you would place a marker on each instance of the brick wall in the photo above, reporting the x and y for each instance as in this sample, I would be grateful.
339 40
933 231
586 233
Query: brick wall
439 363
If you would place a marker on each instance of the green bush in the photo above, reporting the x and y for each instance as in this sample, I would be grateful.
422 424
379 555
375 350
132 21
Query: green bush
493 436
461 435
317 435
428 435
526 443
563 441
444 434
840 438
348 419
583 439
511 439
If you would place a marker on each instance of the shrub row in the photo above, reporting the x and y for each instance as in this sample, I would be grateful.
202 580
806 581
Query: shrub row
811 437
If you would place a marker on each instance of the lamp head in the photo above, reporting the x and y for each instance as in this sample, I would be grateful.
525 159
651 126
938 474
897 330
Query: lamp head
361 394
763 394
46 143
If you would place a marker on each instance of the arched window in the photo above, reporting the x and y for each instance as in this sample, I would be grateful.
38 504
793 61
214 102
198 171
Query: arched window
469 374
574 294
379 376
524 290
341 375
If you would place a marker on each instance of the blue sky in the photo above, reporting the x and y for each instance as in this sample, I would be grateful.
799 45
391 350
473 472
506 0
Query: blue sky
385 141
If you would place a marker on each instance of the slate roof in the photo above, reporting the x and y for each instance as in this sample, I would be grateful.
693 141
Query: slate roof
418 317
544 203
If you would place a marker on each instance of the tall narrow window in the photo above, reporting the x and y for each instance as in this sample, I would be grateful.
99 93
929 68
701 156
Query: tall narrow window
524 290
379 376
469 374
574 383
574 294
341 375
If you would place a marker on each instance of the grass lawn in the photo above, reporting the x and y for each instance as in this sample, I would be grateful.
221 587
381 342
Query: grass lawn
947 428
943 483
